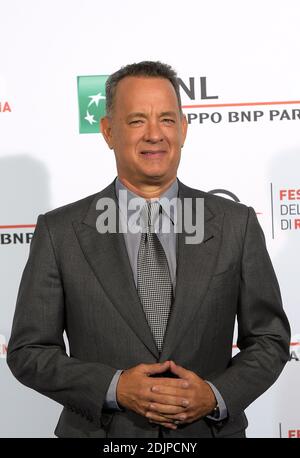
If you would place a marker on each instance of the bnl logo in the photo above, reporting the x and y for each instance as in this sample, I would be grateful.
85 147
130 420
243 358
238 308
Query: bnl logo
92 103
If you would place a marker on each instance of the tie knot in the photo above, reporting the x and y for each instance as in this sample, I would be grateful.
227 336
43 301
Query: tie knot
150 214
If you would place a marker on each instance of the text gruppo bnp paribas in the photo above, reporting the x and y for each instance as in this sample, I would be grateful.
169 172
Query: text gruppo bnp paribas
243 116
196 90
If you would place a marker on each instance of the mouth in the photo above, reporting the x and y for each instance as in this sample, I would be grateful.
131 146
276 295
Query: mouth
153 153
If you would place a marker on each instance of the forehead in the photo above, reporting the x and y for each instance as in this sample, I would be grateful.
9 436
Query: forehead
139 91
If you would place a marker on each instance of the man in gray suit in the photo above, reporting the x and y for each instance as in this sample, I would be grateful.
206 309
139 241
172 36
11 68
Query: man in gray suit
149 315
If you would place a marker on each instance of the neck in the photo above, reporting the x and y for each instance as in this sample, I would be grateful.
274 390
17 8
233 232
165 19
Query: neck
146 190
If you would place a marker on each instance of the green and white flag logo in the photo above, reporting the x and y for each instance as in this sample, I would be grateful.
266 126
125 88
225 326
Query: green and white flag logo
91 101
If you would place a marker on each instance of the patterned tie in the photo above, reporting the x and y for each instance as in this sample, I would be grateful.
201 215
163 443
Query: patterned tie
153 277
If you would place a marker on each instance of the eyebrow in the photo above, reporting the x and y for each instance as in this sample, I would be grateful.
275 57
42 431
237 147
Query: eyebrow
168 113
136 114
139 114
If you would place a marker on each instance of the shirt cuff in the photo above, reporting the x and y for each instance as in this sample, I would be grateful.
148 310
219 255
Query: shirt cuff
221 404
111 395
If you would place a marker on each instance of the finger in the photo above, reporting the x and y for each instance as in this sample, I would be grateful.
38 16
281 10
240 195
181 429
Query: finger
179 370
166 409
173 401
153 416
158 392
169 425
166 425
177 419
173 382
156 368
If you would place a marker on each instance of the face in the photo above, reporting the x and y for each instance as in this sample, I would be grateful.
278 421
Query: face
145 130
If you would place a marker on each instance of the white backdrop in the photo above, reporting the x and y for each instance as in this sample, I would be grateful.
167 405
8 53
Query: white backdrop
249 54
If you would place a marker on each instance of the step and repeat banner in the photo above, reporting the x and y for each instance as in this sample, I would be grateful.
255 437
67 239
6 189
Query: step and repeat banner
239 76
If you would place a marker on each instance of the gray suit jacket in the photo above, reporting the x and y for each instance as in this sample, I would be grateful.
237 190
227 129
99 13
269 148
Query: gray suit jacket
80 281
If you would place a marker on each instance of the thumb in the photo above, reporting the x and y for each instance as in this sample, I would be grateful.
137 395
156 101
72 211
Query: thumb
156 368
179 370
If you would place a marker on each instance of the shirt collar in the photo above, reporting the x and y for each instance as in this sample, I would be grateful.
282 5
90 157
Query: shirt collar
169 194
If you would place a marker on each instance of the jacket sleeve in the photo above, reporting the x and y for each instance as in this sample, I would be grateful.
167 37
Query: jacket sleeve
36 352
263 328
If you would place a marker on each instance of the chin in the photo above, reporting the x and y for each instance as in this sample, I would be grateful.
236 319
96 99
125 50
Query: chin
157 175
154 178
156 172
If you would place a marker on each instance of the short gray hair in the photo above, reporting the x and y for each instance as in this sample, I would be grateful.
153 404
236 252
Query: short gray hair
146 68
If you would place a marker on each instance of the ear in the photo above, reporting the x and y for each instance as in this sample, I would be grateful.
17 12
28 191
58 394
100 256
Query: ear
105 128
184 127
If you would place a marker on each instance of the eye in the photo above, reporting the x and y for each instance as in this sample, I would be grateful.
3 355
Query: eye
168 121
136 122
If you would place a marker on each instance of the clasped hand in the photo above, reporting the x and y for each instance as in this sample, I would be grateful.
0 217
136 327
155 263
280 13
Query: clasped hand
164 400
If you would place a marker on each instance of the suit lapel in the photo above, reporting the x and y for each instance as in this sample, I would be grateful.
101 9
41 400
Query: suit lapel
195 266
108 258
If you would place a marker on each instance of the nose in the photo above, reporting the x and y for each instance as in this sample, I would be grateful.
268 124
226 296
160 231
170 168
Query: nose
153 132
